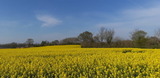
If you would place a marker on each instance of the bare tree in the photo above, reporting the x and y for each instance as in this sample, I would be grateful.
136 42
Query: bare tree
108 35
102 34
105 35
96 38
157 33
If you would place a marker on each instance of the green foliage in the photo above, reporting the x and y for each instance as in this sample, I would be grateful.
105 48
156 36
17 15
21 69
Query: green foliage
126 51
45 43
86 36
29 42
130 51
139 38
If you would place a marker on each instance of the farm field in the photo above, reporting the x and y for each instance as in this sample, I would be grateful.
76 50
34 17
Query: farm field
71 61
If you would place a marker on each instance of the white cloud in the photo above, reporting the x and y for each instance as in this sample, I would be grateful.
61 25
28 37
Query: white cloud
137 17
48 20
143 13
147 19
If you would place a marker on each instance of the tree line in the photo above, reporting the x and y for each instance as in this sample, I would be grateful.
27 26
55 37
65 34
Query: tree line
30 43
103 39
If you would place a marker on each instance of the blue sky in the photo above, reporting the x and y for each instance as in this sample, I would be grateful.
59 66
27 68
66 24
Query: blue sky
58 19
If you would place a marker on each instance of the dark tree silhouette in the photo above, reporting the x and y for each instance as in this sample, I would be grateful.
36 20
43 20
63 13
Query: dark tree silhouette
29 42
139 38
86 36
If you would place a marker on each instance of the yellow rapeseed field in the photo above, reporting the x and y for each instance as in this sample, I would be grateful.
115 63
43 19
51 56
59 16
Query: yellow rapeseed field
71 61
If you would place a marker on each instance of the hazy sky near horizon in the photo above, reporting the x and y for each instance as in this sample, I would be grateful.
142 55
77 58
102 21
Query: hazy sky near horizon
58 19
